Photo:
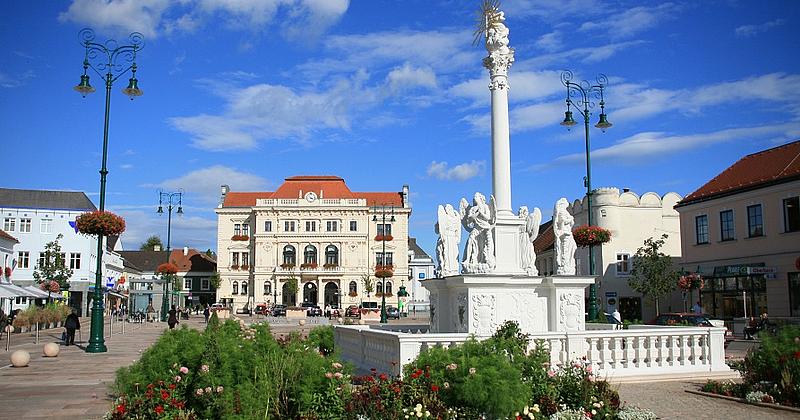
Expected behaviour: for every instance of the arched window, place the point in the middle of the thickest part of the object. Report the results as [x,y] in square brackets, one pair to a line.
[353,288]
[267,288]
[235,288]
[331,255]
[244,287]
[289,255]
[388,288]
[310,255]
[378,288]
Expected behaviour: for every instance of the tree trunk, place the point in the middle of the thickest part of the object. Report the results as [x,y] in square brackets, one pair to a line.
[657,311]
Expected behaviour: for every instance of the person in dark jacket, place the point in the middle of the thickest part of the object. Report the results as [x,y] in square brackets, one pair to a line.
[206,313]
[72,323]
[173,317]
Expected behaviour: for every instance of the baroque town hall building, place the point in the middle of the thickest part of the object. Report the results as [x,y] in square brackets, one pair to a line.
[316,231]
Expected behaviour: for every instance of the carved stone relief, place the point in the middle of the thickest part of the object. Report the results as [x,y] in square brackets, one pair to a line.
[570,310]
[484,318]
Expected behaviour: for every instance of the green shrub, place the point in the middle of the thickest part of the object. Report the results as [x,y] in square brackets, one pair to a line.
[322,339]
[774,366]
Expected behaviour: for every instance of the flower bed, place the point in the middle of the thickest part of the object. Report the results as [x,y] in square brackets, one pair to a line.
[770,372]
[590,235]
[102,223]
[234,371]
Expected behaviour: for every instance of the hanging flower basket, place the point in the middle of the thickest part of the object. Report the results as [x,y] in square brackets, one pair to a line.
[690,282]
[590,235]
[240,238]
[102,223]
[384,271]
[51,286]
[167,268]
[380,238]
[7,272]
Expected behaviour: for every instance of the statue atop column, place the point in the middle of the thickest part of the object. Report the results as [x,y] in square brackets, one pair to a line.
[479,220]
[564,242]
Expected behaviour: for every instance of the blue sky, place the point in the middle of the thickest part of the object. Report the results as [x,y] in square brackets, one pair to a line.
[386,93]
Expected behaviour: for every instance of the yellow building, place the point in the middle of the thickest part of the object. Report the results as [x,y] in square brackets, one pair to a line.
[316,231]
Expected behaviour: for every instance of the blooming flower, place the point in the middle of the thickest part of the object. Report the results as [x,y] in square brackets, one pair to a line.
[328,375]
[451,366]
[204,368]
[337,375]
[434,388]
[199,392]
[446,385]
[208,389]
[472,371]
[220,389]
[177,379]
[184,370]
[551,373]
[159,409]
[336,365]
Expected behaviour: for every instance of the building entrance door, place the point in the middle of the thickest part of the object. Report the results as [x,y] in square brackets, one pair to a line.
[332,294]
[310,293]
[289,297]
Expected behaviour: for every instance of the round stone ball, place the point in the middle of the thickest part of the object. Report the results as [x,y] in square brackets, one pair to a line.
[302,322]
[51,350]
[20,358]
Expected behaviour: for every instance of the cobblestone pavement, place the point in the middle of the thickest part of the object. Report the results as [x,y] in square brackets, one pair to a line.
[669,400]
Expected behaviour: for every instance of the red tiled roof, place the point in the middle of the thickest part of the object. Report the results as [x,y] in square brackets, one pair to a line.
[5,235]
[194,260]
[546,239]
[324,186]
[779,164]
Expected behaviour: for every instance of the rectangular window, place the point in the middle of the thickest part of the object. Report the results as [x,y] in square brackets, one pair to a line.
[25,225]
[234,259]
[311,226]
[288,226]
[794,294]
[384,229]
[331,226]
[75,260]
[24,259]
[623,264]
[380,260]
[701,229]
[791,214]
[46,226]
[755,221]
[187,284]
[245,259]
[246,229]
[726,225]
[42,259]
[268,226]
[9,224]
[205,284]
[237,229]
[353,226]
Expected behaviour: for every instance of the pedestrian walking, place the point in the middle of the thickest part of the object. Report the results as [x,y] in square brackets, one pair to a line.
[206,313]
[173,317]
[697,308]
[71,324]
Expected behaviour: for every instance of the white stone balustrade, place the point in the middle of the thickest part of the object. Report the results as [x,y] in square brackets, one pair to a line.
[643,351]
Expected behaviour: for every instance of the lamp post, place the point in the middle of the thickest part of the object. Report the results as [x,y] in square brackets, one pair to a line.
[383,233]
[170,199]
[585,92]
[114,61]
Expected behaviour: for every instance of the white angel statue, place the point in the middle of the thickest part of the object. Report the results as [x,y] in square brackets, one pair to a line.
[449,230]
[564,242]
[479,220]
[529,233]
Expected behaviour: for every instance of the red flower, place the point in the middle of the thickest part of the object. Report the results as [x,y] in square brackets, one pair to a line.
[167,268]
[797,355]
[164,394]
[159,409]
[121,409]
[149,394]
[382,377]
[180,405]
[171,386]
[434,388]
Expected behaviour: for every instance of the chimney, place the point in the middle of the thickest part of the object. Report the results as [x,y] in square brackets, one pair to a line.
[406,203]
[300,194]
[156,247]
[185,251]
[225,189]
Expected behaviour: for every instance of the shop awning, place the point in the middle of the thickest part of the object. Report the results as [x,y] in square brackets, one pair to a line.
[41,294]
[115,294]
[15,291]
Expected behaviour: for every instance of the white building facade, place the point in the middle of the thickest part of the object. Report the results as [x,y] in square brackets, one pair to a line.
[315,231]
[36,217]
[631,219]
[420,268]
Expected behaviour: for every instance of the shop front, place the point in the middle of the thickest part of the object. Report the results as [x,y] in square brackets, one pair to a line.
[736,291]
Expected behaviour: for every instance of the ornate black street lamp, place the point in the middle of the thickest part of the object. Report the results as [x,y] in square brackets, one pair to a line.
[385,269]
[114,61]
[169,199]
[585,92]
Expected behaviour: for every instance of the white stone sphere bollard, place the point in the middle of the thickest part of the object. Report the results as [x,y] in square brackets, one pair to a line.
[361,322]
[20,358]
[51,350]
[341,320]
[302,322]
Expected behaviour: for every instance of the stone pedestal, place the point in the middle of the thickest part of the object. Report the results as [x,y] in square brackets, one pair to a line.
[479,303]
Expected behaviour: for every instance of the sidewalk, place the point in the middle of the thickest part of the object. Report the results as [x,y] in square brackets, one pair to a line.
[75,384]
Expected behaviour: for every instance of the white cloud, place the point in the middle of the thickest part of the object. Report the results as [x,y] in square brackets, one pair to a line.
[462,172]
[204,184]
[746,31]
[154,17]
[631,21]
[637,148]
[551,41]
[409,77]
[585,55]
[524,86]
[192,230]
[552,9]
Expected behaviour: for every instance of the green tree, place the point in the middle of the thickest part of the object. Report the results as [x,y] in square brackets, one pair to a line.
[368,282]
[292,287]
[151,242]
[211,253]
[215,280]
[53,267]
[653,274]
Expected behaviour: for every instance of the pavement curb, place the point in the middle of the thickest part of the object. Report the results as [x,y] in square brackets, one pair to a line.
[743,401]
